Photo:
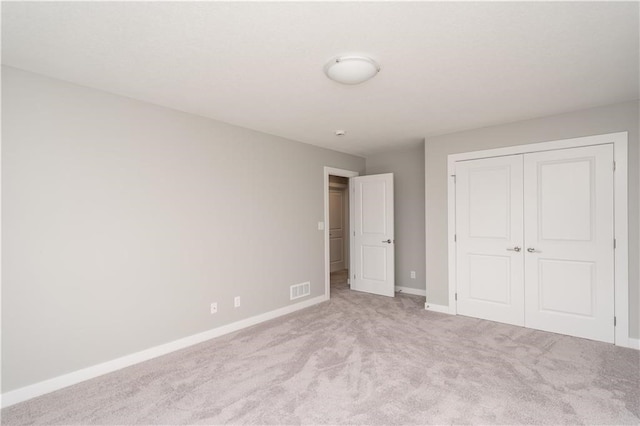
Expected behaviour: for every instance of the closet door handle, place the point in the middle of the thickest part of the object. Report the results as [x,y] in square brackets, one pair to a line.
[516,249]
[532,250]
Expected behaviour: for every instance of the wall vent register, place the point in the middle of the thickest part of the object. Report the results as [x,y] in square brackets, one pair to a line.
[297,291]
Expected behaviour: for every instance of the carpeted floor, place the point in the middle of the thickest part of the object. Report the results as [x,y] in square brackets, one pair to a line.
[362,359]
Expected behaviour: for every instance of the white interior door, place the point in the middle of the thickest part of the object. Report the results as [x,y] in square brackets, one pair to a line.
[569,258]
[372,254]
[489,237]
[336,230]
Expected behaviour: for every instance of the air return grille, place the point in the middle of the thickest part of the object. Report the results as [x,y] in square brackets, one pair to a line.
[300,290]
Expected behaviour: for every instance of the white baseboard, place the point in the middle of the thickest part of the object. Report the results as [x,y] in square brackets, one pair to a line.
[56,383]
[634,343]
[437,308]
[409,290]
[631,343]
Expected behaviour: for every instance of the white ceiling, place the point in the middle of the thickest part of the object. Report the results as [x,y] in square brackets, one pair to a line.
[446,66]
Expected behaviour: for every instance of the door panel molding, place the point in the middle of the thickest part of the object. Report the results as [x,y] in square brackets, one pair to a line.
[621,232]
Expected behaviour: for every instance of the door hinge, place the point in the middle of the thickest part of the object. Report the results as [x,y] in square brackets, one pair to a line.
[614,166]
[354,276]
[614,321]
[614,244]
[456,296]
[454,178]
[455,238]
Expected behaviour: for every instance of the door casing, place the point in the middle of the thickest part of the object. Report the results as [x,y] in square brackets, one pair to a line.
[621,232]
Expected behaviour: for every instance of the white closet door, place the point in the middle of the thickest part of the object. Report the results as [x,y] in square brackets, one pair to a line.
[489,238]
[569,258]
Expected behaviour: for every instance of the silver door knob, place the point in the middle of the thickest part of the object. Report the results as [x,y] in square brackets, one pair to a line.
[531,250]
[516,248]
[387,241]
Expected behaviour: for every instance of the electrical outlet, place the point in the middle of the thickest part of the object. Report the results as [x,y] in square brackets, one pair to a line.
[236,301]
[214,308]
[413,275]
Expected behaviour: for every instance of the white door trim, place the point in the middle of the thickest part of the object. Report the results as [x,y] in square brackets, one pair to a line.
[327,255]
[619,141]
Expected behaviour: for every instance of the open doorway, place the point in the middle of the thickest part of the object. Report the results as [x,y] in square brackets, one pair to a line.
[337,221]
[371,258]
[338,231]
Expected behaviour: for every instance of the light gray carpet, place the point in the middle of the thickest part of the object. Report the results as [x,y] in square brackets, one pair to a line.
[362,359]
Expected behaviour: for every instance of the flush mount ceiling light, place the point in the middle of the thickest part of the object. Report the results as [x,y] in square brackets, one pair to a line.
[351,69]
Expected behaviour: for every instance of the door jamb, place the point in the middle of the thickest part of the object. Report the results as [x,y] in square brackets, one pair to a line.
[621,231]
[327,258]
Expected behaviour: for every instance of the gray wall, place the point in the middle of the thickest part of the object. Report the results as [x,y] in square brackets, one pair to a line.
[407,165]
[122,221]
[606,119]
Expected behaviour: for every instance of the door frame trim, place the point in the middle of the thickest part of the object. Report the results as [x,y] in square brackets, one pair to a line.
[327,256]
[621,231]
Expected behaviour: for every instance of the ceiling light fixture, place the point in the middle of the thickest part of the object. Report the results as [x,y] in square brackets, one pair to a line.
[351,69]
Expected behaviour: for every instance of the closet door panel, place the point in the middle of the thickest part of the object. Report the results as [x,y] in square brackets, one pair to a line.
[569,263]
[489,238]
